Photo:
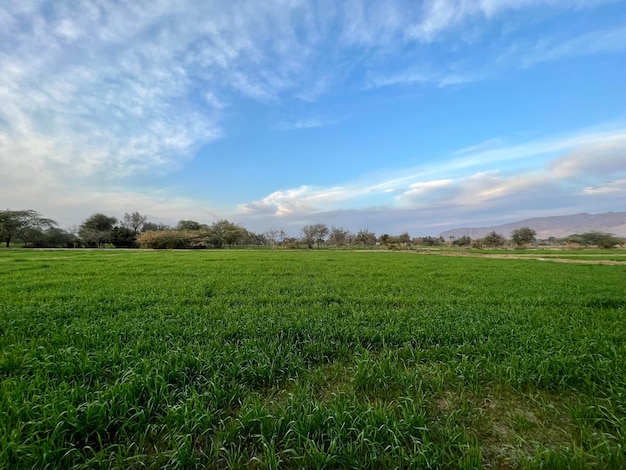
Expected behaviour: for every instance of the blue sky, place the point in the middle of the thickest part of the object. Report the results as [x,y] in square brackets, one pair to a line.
[393,116]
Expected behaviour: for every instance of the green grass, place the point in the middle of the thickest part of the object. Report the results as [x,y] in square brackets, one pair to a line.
[292,359]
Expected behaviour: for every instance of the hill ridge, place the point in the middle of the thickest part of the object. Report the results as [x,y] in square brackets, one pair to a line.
[552,226]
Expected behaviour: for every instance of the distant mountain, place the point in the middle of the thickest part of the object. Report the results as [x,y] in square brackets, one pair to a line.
[556,226]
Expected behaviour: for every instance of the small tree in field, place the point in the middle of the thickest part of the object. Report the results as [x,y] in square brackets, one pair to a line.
[523,236]
[96,230]
[494,239]
[339,236]
[600,239]
[315,233]
[366,237]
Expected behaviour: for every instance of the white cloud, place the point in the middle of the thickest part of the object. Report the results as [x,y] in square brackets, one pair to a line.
[298,201]
[597,156]
[609,187]
[426,187]
[111,114]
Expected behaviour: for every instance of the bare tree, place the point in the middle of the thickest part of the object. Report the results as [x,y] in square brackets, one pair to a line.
[315,233]
[366,237]
[338,236]
[494,239]
[134,221]
[274,237]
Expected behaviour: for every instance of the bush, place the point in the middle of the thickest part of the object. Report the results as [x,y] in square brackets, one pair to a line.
[463,241]
[174,239]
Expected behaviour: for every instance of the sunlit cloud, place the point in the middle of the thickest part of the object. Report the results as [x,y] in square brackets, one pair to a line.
[609,187]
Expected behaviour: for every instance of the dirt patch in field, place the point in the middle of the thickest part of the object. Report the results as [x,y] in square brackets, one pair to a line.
[529,257]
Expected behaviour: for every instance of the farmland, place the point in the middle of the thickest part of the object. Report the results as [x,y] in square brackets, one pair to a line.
[318,359]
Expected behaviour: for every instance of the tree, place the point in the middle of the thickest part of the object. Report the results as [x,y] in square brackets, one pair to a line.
[16,224]
[256,239]
[134,221]
[59,238]
[523,236]
[96,230]
[433,241]
[339,236]
[404,238]
[494,239]
[227,232]
[366,237]
[463,241]
[123,237]
[188,225]
[600,239]
[315,233]
[152,226]
[274,237]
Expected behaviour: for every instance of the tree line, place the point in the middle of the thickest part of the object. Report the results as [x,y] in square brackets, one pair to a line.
[30,229]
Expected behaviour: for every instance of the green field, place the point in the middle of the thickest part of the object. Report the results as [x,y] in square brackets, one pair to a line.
[320,359]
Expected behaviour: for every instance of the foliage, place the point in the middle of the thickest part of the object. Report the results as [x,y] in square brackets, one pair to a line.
[523,236]
[174,239]
[274,237]
[279,359]
[462,241]
[403,239]
[153,226]
[431,241]
[314,234]
[189,225]
[122,237]
[365,237]
[24,225]
[339,236]
[214,236]
[599,239]
[494,239]
[97,229]
[225,232]
[55,237]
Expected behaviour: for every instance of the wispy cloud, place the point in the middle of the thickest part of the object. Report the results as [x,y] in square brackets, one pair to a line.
[120,81]
[603,41]
[439,16]
[420,76]
[307,123]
